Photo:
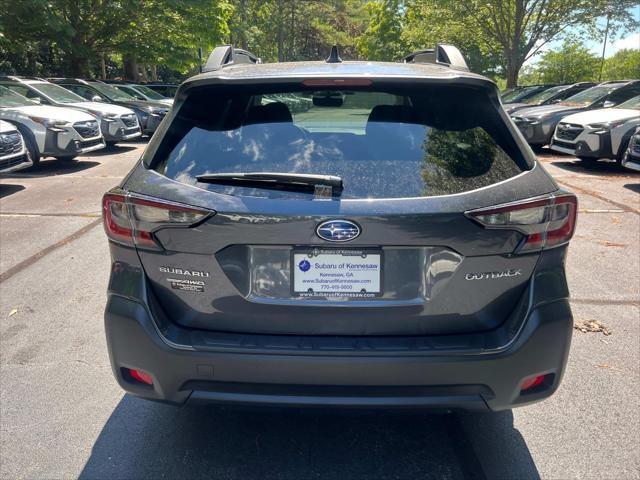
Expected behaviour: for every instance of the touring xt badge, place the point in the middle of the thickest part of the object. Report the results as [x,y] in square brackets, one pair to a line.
[184,271]
[493,275]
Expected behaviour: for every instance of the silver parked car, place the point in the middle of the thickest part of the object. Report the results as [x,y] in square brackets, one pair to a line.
[13,152]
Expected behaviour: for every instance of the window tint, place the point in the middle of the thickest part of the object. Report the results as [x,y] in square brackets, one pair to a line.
[383,144]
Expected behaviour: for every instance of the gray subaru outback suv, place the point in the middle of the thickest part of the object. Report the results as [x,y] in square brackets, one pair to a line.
[344,234]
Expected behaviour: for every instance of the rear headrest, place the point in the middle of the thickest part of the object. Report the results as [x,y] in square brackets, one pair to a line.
[393,114]
[276,112]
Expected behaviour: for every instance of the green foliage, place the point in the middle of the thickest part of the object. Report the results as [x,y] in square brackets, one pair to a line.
[571,63]
[162,37]
[624,64]
[71,36]
[429,23]
[291,30]
[382,38]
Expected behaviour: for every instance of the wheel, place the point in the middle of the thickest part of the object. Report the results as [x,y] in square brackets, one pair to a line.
[66,158]
[624,145]
[32,148]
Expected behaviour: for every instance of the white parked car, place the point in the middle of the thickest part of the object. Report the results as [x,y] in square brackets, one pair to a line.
[13,152]
[595,134]
[117,123]
[47,131]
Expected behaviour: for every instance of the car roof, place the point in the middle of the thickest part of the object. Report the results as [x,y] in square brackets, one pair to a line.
[296,71]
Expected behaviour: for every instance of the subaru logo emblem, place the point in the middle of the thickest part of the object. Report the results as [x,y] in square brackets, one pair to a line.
[338,230]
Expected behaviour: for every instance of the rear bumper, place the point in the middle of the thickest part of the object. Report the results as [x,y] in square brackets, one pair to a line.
[185,367]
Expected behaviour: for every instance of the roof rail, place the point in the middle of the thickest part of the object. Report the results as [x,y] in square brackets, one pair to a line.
[227,55]
[443,54]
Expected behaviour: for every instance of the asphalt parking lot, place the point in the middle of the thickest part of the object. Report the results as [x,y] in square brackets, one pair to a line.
[62,414]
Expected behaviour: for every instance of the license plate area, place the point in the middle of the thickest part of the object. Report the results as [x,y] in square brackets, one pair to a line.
[336,273]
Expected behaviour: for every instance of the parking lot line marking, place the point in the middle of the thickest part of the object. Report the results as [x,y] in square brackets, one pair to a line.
[46,251]
[20,215]
[622,206]
[604,301]
[599,210]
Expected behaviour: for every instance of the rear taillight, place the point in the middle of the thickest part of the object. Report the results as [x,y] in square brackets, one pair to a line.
[546,223]
[132,220]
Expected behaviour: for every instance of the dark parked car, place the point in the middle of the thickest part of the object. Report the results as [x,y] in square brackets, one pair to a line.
[167,90]
[520,94]
[537,124]
[549,96]
[140,92]
[149,114]
[377,249]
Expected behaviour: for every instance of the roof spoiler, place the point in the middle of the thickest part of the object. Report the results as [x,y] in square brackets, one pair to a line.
[225,55]
[443,54]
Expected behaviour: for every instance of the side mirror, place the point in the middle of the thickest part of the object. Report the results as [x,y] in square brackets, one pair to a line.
[96,98]
[37,100]
[608,104]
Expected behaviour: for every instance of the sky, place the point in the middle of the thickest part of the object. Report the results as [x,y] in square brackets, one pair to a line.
[629,40]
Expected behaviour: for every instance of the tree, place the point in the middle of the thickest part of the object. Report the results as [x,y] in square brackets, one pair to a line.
[571,63]
[426,24]
[73,37]
[286,30]
[522,27]
[624,64]
[382,38]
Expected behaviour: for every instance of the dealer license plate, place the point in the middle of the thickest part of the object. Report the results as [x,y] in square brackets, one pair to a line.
[337,273]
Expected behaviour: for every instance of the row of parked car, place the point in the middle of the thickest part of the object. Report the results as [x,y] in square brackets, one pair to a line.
[588,120]
[66,117]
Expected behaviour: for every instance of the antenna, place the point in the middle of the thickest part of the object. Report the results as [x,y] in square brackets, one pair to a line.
[334,57]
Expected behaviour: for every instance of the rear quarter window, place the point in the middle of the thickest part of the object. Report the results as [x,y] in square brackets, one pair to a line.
[383,143]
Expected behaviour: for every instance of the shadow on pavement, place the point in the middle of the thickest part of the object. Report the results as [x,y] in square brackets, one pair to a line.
[49,167]
[111,150]
[634,187]
[590,168]
[148,440]
[8,189]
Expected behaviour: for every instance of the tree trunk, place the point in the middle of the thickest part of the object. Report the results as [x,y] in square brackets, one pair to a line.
[130,67]
[154,72]
[103,66]
[513,70]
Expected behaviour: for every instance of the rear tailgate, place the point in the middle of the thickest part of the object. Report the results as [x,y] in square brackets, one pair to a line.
[418,264]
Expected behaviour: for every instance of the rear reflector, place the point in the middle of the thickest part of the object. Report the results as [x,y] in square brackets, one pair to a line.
[140,376]
[532,382]
[131,220]
[546,223]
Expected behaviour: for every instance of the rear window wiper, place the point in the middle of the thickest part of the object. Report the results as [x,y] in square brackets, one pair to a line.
[322,186]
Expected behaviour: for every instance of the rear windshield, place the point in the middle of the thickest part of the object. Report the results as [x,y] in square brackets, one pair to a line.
[383,144]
